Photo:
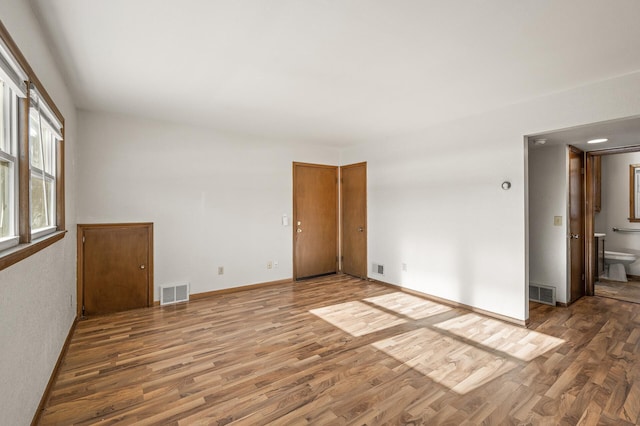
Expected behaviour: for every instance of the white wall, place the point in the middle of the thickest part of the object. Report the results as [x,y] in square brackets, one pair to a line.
[215,200]
[435,200]
[37,295]
[547,199]
[615,205]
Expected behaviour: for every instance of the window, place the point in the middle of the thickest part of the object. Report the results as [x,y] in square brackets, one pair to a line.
[44,135]
[8,167]
[31,159]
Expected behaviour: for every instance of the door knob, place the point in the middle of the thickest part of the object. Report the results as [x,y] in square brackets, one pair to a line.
[299,230]
[574,236]
[141,266]
[360,229]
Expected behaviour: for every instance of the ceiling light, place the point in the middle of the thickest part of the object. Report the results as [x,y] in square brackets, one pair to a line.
[539,141]
[598,140]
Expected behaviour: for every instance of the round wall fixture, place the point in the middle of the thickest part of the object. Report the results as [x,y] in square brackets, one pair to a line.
[506,185]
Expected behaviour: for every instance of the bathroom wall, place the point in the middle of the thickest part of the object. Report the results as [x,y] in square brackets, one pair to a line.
[615,205]
[548,198]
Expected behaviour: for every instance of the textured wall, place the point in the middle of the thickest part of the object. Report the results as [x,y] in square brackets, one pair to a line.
[37,295]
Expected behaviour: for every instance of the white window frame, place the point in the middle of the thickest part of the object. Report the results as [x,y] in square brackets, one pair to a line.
[46,120]
[11,74]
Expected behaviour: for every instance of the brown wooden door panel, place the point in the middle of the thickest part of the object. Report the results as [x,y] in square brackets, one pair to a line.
[116,268]
[354,219]
[576,224]
[315,219]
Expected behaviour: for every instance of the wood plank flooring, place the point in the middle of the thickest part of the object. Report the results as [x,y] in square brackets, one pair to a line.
[338,350]
[629,291]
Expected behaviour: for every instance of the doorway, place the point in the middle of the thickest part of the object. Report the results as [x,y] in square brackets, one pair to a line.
[549,233]
[610,216]
[115,267]
[329,234]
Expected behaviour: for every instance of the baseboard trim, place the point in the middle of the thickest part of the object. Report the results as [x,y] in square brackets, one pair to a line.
[454,304]
[213,293]
[54,374]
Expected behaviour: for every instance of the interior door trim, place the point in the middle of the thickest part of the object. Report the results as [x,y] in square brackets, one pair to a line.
[80,258]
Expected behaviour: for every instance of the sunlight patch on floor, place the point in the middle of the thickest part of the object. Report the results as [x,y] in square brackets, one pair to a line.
[461,353]
[357,318]
[514,341]
[408,306]
[452,363]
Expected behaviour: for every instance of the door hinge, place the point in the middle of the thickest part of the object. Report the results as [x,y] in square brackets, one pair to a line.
[83,239]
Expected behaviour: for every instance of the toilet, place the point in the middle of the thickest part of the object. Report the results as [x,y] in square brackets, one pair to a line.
[617,264]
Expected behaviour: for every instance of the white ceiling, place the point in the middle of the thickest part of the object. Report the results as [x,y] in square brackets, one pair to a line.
[333,72]
[620,133]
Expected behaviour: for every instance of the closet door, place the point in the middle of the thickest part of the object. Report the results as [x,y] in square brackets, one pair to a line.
[117,267]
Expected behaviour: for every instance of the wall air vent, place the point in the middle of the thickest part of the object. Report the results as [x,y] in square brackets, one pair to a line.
[377,269]
[174,293]
[543,294]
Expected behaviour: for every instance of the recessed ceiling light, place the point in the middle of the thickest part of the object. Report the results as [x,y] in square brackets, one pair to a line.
[539,141]
[598,140]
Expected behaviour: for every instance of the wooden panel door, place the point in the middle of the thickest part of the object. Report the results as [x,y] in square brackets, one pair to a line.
[117,267]
[576,224]
[315,220]
[353,206]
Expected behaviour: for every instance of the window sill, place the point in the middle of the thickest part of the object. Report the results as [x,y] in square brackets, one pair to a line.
[20,252]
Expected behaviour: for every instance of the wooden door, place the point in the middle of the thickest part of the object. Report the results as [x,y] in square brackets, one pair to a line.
[353,197]
[576,224]
[315,220]
[116,267]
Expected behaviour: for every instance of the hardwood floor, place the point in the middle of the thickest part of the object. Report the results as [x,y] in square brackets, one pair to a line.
[338,350]
[629,291]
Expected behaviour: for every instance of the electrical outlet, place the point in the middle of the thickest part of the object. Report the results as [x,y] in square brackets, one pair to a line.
[269,265]
[557,221]
[220,270]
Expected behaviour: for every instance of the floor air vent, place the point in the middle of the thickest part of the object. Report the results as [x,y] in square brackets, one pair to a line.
[543,294]
[174,293]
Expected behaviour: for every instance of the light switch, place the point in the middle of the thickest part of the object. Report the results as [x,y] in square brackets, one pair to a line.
[557,221]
